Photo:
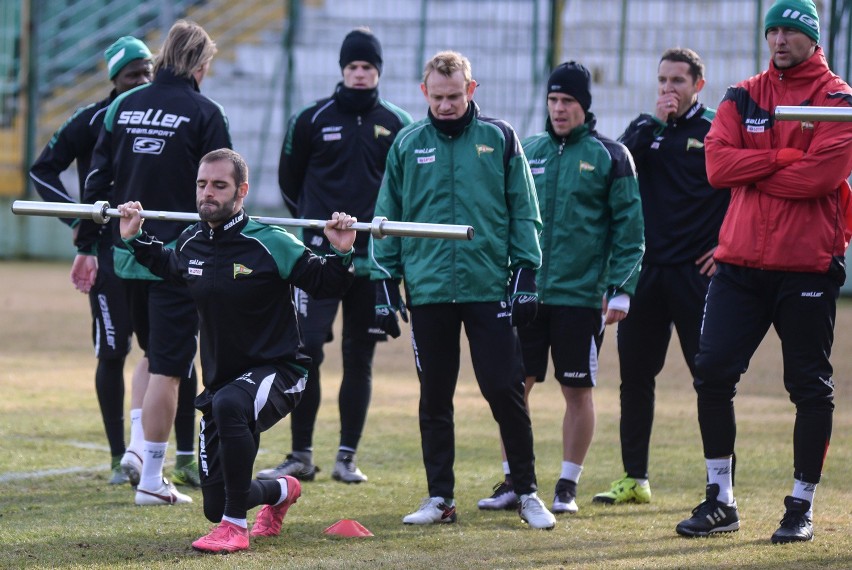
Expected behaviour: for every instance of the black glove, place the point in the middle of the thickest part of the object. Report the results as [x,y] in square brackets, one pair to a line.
[388,302]
[523,298]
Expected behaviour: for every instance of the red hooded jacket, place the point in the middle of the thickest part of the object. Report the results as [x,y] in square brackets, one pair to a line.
[787,212]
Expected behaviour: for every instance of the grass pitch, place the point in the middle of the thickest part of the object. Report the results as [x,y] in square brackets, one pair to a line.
[56,510]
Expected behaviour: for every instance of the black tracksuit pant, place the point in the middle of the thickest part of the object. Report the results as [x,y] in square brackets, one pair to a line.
[497,364]
[666,296]
[741,305]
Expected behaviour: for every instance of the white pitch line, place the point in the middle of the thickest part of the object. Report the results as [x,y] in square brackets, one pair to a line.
[22,475]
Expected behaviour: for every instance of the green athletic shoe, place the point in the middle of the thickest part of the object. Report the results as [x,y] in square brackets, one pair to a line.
[118,477]
[625,490]
[186,475]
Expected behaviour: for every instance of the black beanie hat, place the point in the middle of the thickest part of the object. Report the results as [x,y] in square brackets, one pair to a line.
[361,45]
[572,79]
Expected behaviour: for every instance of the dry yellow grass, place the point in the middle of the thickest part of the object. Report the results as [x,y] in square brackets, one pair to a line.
[49,420]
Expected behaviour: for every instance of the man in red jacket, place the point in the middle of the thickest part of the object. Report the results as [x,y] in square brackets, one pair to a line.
[780,261]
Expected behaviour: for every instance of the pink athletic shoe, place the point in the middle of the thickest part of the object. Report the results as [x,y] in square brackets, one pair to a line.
[223,539]
[268,522]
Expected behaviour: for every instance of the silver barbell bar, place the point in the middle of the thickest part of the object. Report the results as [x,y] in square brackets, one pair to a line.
[380,227]
[805,113]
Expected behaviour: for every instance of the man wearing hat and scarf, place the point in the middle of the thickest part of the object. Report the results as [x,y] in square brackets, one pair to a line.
[333,159]
[586,279]
[780,261]
[129,65]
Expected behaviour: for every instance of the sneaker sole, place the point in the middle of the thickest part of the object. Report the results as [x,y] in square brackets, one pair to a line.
[133,473]
[513,506]
[222,552]
[688,533]
[338,477]
[789,539]
[272,476]
[149,499]
[551,527]
[448,520]
[609,501]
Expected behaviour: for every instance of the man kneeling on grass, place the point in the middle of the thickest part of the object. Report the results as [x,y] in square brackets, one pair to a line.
[239,273]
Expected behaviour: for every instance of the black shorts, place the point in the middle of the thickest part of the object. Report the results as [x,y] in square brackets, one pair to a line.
[262,396]
[111,330]
[573,335]
[165,321]
[316,317]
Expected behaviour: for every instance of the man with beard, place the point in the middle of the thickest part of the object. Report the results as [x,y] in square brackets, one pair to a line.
[239,274]
[780,262]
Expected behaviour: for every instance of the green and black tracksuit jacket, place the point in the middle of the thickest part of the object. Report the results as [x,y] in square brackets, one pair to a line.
[240,276]
[592,241]
[478,177]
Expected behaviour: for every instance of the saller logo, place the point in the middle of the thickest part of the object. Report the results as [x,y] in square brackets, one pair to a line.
[151,117]
[145,145]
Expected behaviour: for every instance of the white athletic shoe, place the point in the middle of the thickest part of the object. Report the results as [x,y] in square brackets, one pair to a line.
[432,510]
[534,513]
[503,498]
[167,494]
[131,465]
[346,471]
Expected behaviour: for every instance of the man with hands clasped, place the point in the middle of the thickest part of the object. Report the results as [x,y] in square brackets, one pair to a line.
[682,214]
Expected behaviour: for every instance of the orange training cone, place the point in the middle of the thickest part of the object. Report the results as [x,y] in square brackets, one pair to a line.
[348,528]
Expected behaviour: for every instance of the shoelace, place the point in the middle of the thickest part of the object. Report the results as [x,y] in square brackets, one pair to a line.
[794,520]
[706,507]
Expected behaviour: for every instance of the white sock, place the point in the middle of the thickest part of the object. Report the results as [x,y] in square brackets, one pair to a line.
[242,523]
[719,472]
[806,491]
[571,471]
[283,482]
[153,457]
[506,471]
[137,436]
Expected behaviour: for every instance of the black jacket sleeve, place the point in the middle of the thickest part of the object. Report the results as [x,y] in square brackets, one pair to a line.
[98,187]
[323,276]
[639,135]
[295,153]
[160,260]
[73,141]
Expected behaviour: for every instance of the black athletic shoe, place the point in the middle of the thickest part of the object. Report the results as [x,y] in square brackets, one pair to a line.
[710,517]
[564,497]
[796,526]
